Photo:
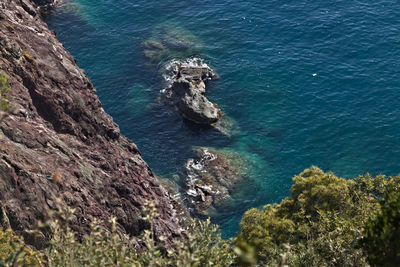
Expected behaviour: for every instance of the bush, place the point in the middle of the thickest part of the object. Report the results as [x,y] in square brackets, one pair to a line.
[382,234]
[203,246]
[320,224]
[13,251]
[5,93]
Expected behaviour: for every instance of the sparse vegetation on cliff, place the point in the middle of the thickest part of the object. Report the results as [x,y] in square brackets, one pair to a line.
[105,246]
[203,246]
[5,93]
[13,251]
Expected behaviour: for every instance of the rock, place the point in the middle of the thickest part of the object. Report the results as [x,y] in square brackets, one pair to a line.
[211,178]
[227,126]
[178,39]
[154,50]
[186,88]
[60,143]
[46,3]
[27,6]
[176,42]
[170,42]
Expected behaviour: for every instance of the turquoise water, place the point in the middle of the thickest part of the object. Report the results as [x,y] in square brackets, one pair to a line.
[307,82]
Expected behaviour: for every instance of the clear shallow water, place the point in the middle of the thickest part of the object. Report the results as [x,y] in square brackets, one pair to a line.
[308,83]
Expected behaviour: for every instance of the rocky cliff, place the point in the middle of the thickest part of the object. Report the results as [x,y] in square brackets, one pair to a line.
[57,140]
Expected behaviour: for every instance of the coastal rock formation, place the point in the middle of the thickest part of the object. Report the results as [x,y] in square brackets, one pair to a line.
[44,3]
[57,140]
[186,88]
[211,178]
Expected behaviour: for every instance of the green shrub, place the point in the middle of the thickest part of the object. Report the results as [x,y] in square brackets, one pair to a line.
[203,246]
[319,225]
[5,93]
[382,234]
[13,251]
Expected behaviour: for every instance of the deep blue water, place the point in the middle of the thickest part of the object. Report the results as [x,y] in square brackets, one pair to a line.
[308,83]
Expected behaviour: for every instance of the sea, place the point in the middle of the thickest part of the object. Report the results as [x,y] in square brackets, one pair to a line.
[303,83]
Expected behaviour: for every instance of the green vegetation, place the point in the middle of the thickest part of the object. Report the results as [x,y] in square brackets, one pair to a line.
[203,247]
[327,221]
[5,93]
[320,224]
[13,251]
[382,234]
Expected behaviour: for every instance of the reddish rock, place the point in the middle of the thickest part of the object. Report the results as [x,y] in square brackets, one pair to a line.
[59,142]
[210,179]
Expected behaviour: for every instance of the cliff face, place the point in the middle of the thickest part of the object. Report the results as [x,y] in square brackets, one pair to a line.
[58,141]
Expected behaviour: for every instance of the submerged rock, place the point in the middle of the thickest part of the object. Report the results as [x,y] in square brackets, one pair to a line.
[211,178]
[186,88]
[176,39]
[169,42]
[154,50]
[227,126]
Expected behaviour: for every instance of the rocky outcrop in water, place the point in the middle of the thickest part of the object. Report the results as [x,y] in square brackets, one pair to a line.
[59,142]
[210,179]
[185,91]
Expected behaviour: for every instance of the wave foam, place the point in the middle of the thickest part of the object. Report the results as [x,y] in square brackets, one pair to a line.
[172,67]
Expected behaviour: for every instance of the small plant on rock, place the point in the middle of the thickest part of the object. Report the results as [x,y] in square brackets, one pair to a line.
[5,93]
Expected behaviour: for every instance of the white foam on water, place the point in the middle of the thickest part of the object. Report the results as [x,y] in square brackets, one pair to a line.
[208,156]
[172,67]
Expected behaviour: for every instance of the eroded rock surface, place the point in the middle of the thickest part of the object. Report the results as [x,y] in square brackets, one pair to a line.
[59,142]
[210,178]
[185,90]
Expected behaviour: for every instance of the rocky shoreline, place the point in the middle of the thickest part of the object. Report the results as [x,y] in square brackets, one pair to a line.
[58,141]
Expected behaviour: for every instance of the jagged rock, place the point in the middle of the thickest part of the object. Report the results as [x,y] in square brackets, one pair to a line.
[211,178]
[59,142]
[28,7]
[186,88]
[46,3]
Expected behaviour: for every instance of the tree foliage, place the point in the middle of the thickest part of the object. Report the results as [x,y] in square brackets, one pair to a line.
[320,224]
[382,234]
